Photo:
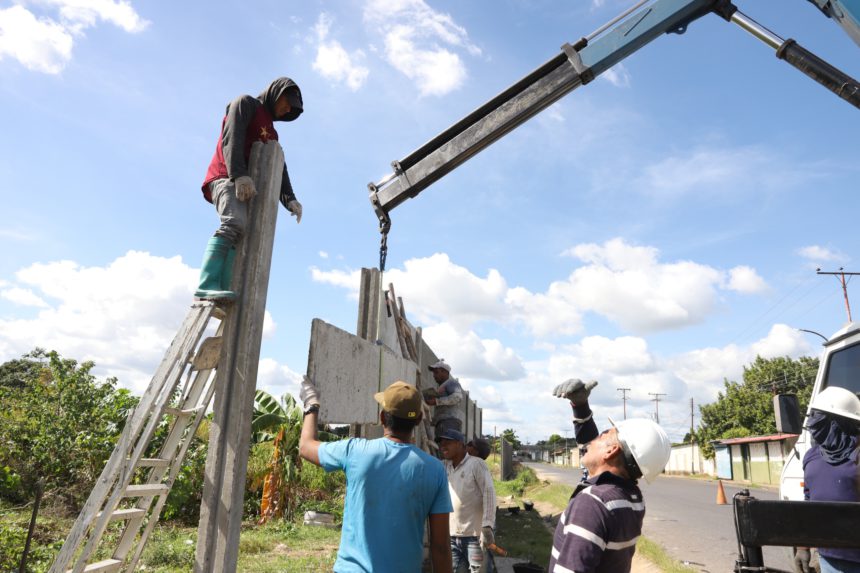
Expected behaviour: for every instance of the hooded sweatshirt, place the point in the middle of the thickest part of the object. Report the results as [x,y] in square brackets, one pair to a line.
[248,120]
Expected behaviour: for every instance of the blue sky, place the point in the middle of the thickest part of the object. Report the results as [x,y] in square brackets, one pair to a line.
[654,230]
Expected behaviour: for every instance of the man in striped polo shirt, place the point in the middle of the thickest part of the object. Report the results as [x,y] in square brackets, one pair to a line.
[597,532]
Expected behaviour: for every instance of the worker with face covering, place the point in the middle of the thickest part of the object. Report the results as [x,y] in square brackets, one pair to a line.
[830,468]
[228,184]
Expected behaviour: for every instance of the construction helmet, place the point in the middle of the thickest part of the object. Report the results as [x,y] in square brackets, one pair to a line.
[838,401]
[645,445]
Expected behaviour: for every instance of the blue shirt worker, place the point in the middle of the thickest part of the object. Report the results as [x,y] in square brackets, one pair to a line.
[392,488]
[597,532]
[830,468]
[448,400]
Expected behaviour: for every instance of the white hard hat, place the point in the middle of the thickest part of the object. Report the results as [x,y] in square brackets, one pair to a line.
[441,364]
[839,401]
[646,447]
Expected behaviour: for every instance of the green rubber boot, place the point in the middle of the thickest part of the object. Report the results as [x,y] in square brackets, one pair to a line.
[227,275]
[212,271]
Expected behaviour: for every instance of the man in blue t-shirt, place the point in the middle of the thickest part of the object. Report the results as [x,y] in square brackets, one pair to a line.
[392,487]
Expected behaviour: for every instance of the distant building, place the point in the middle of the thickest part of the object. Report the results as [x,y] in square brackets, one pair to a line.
[687,459]
[756,459]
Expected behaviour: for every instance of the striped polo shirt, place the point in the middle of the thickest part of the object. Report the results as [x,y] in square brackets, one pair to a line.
[597,532]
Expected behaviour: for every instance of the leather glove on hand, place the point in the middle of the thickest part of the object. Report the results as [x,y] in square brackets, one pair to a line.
[487,536]
[295,208]
[574,390]
[801,560]
[245,189]
[308,394]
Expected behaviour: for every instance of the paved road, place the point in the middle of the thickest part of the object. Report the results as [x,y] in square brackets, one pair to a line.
[682,515]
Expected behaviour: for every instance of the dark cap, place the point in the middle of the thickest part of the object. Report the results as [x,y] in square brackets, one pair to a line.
[482,447]
[454,435]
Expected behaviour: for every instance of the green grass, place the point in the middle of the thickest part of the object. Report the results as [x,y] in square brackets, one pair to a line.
[273,548]
[655,553]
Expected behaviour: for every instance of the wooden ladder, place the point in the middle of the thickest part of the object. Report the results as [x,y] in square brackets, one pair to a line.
[133,488]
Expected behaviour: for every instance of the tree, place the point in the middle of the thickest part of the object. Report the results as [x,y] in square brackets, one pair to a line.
[57,422]
[510,436]
[279,425]
[746,408]
[554,439]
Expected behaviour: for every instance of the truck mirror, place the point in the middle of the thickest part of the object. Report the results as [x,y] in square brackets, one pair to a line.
[786,409]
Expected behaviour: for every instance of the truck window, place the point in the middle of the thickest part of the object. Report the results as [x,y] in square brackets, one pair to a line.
[844,369]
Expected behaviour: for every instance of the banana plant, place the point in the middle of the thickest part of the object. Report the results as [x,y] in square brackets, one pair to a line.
[281,423]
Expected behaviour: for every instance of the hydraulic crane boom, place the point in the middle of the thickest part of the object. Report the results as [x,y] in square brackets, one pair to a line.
[577,65]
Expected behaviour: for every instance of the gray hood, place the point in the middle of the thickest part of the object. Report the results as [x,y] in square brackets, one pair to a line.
[294,95]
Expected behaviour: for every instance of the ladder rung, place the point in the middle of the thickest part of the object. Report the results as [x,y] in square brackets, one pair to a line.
[123,514]
[103,566]
[146,490]
[179,411]
[153,463]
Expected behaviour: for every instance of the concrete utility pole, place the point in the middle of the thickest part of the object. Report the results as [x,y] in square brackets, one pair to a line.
[624,392]
[230,432]
[656,401]
[840,275]
[692,438]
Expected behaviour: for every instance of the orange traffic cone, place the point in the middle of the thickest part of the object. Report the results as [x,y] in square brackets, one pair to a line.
[721,493]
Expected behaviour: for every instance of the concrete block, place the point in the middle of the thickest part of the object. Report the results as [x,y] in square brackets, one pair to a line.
[346,370]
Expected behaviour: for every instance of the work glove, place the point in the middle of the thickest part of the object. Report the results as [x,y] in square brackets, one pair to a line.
[295,208]
[308,394]
[487,536]
[574,390]
[245,190]
[801,560]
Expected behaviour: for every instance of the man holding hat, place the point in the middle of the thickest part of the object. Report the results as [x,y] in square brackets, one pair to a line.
[474,500]
[392,488]
[448,399]
[597,532]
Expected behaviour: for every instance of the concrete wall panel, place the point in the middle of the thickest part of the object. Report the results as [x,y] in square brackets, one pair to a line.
[341,364]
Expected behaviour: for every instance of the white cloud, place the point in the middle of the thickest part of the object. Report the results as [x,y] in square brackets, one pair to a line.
[617,75]
[349,280]
[122,315]
[323,255]
[44,43]
[23,297]
[333,62]
[38,44]
[819,254]
[625,283]
[746,280]
[276,379]
[417,39]
[473,357]
[721,171]
[81,14]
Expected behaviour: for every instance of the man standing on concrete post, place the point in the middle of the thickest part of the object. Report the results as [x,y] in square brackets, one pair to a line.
[448,400]
[228,184]
[392,488]
[597,532]
[474,499]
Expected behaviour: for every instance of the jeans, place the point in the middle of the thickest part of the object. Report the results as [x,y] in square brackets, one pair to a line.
[466,551]
[831,565]
[233,213]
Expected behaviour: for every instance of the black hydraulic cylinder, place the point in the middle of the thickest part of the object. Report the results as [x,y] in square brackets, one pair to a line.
[830,77]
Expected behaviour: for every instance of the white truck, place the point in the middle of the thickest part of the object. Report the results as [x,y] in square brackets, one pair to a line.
[839,366]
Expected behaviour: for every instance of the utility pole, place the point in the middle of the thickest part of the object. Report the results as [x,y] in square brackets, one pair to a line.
[692,439]
[624,392]
[840,275]
[656,401]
